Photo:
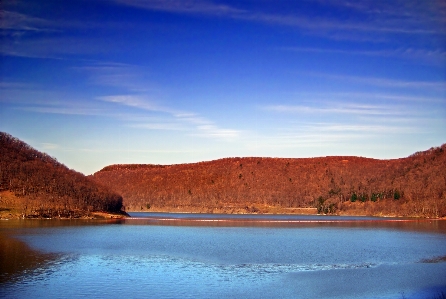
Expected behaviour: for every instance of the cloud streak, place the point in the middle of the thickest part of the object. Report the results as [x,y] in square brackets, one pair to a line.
[351,109]
[132,101]
[180,6]
[202,127]
[408,23]
[375,97]
[128,78]
[30,36]
[14,23]
[384,82]
[160,118]
[329,135]
[65,110]
[424,55]
[118,75]
[346,121]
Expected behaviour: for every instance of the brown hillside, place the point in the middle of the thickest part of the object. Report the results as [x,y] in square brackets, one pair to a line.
[35,185]
[412,186]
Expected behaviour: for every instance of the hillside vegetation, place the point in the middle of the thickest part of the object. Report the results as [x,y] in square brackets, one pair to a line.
[34,184]
[412,186]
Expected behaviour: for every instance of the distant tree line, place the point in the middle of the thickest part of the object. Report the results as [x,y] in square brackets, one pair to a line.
[412,186]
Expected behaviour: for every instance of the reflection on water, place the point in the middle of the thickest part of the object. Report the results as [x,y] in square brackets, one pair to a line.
[284,221]
[17,258]
[224,256]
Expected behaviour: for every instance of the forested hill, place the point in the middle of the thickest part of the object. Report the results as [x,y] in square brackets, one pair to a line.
[412,186]
[37,185]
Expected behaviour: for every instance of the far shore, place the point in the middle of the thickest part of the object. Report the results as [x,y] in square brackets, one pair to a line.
[6,214]
[274,211]
[12,213]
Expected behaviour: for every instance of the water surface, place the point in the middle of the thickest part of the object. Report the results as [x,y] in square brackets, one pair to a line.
[156,255]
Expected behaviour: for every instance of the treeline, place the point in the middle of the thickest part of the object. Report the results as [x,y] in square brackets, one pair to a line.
[412,186]
[46,188]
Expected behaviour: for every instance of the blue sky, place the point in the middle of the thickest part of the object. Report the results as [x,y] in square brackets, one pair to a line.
[100,82]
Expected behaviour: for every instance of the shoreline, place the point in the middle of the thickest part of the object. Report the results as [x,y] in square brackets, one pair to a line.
[8,215]
[104,215]
[13,207]
[169,211]
[12,213]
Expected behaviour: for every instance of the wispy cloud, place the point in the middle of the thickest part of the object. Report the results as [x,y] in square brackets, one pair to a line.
[363,128]
[179,6]
[12,85]
[407,9]
[167,126]
[373,22]
[395,98]
[49,146]
[63,109]
[132,101]
[111,74]
[24,35]
[132,80]
[332,26]
[348,121]
[212,131]
[14,23]
[144,114]
[383,82]
[329,135]
[55,46]
[423,55]
[346,108]
[30,36]
[195,124]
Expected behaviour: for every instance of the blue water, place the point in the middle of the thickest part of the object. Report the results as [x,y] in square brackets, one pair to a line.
[303,257]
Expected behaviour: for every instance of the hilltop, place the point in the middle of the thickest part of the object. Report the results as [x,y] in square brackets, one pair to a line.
[411,186]
[33,184]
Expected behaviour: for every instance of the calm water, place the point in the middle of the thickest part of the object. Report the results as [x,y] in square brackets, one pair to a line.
[223,256]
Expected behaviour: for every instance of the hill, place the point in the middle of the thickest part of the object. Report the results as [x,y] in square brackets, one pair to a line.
[33,184]
[411,186]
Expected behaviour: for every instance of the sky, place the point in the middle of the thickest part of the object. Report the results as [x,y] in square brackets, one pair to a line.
[100,82]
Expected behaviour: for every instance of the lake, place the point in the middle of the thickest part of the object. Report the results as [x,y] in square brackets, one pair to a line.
[158,255]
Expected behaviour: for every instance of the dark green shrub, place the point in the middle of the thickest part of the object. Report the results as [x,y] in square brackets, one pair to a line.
[354,197]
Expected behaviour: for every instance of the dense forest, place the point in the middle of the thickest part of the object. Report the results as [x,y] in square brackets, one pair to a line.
[34,184]
[411,186]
